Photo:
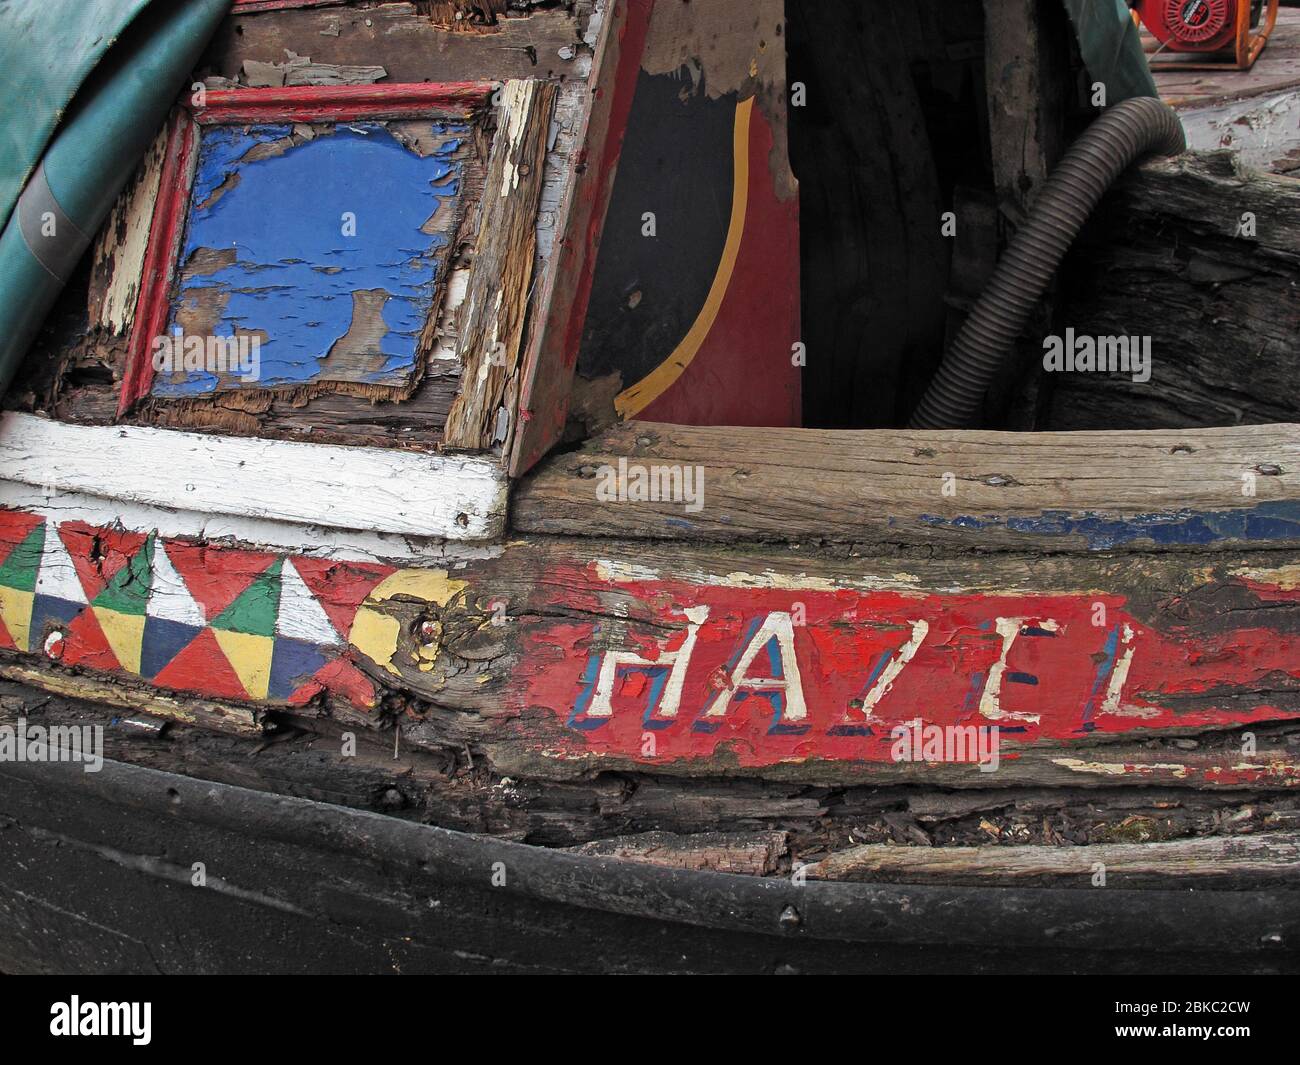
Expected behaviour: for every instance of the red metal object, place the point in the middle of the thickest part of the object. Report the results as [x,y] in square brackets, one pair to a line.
[328,103]
[1210,27]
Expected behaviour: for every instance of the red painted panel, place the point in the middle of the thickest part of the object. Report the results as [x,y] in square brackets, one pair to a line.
[1056,668]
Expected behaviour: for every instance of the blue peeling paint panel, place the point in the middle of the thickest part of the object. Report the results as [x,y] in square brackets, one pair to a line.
[1269,522]
[325,249]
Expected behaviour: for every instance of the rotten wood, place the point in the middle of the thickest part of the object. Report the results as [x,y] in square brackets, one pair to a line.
[491,322]
[560,658]
[649,816]
[412,46]
[210,714]
[723,852]
[1267,859]
[970,490]
[1030,88]
[874,260]
[1202,256]
[548,364]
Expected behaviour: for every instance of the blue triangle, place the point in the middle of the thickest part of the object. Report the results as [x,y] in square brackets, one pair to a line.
[50,612]
[164,639]
[293,663]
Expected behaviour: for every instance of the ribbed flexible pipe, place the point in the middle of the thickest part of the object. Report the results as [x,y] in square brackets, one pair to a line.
[1122,135]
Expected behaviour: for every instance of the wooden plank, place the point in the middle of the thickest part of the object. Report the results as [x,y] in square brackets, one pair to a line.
[874,257]
[1029,88]
[1026,69]
[661,819]
[742,853]
[410,45]
[555,659]
[454,498]
[988,491]
[693,316]
[552,352]
[213,715]
[1267,859]
[491,320]
[1264,131]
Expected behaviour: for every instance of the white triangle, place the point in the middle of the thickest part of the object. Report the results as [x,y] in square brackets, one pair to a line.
[300,616]
[57,575]
[168,597]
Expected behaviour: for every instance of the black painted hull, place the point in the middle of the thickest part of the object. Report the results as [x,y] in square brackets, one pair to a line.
[96,876]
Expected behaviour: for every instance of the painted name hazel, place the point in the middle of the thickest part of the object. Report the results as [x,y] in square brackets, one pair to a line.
[767,663]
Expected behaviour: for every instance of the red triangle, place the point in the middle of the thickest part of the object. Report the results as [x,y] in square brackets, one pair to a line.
[14,527]
[202,667]
[215,577]
[6,641]
[343,679]
[84,644]
[97,554]
[306,693]
[340,587]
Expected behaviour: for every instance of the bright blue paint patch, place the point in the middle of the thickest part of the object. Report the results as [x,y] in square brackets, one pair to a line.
[296,271]
[1271,521]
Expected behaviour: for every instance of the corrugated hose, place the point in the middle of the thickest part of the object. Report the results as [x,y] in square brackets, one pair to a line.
[1119,137]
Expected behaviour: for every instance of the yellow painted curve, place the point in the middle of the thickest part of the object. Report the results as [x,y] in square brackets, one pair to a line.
[632,401]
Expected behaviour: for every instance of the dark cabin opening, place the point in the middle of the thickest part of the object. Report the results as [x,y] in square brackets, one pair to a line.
[894,132]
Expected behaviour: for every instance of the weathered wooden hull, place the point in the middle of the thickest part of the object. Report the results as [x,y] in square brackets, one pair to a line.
[97,876]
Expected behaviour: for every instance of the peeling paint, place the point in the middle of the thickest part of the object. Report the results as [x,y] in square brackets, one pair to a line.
[316,239]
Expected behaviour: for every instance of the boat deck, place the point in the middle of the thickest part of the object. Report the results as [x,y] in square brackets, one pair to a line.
[1255,112]
[1277,69]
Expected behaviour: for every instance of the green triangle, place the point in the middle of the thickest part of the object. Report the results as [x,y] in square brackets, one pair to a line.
[19,569]
[255,610]
[128,591]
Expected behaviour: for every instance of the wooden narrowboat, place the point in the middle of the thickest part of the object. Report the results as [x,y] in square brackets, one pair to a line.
[647,486]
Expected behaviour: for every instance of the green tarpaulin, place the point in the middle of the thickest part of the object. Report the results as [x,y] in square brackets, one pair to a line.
[84,87]
[1111,48]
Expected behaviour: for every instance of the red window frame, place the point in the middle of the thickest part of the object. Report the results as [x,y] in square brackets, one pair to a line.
[324,103]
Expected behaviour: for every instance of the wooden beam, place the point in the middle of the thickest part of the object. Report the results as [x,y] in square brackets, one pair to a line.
[552,353]
[987,491]
[214,715]
[410,493]
[1025,76]
[410,45]
[491,319]
[1268,858]
[1202,256]
[555,659]
[1028,86]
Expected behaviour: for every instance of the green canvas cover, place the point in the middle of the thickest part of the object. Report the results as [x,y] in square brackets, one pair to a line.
[84,87]
[1111,48]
